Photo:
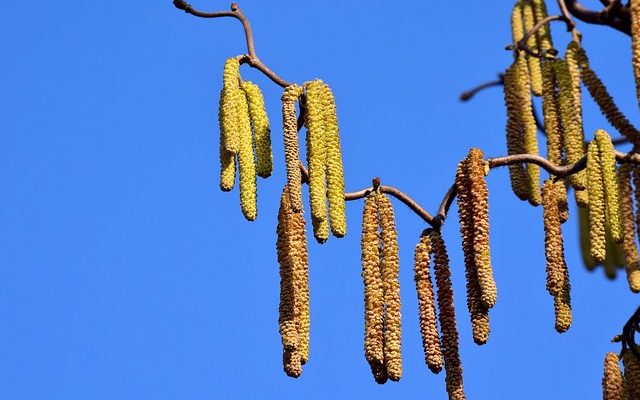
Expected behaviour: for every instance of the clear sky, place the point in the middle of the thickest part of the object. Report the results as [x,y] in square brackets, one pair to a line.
[125,273]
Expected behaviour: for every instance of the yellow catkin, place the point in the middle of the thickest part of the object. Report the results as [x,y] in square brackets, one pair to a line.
[632,260]
[517,25]
[227,158]
[582,198]
[286,318]
[572,58]
[583,221]
[478,312]
[631,374]
[535,75]
[550,112]
[390,267]
[427,305]
[635,174]
[335,171]
[561,198]
[544,33]
[597,209]
[479,196]
[301,280]
[447,318]
[562,305]
[291,147]
[605,102]
[610,181]
[553,243]
[261,129]
[316,157]
[572,127]
[612,381]
[635,43]
[514,133]
[230,95]
[246,161]
[373,288]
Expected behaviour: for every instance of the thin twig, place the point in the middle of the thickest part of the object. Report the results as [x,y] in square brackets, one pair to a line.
[466,96]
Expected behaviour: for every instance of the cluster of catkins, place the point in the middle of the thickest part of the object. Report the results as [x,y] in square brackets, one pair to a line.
[245,140]
[603,192]
[615,384]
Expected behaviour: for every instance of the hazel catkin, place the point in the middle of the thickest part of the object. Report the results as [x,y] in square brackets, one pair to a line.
[610,182]
[597,211]
[552,125]
[631,373]
[447,318]
[572,56]
[390,267]
[316,153]
[554,248]
[635,43]
[227,158]
[229,97]
[373,287]
[426,305]
[544,33]
[517,173]
[286,319]
[632,260]
[246,161]
[261,129]
[612,381]
[291,148]
[535,75]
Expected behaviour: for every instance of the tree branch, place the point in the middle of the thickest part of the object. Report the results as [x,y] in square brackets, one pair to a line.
[594,17]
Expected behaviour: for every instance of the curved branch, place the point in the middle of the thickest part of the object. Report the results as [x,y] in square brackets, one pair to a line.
[594,17]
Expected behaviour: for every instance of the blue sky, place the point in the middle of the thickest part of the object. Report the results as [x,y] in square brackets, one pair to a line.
[125,272]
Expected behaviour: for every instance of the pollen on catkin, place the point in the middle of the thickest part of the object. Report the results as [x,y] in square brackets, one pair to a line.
[517,173]
[572,56]
[635,43]
[229,97]
[390,267]
[553,243]
[535,75]
[561,198]
[291,147]
[286,318]
[635,174]
[227,158]
[373,286]
[261,129]
[246,161]
[517,24]
[562,305]
[335,171]
[427,305]
[447,318]
[631,374]
[478,312]
[550,113]
[597,208]
[610,182]
[612,381]
[316,153]
[544,33]
[632,259]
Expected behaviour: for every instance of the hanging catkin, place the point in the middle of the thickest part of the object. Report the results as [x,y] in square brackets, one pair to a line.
[631,374]
[552,125]
[553,243]
[229,97]
[612,381]
[517,25]
[632,261]
[572,127]
[447,317]
[316,154]
[610,182]
[635,174]
[572,58]
[291,148]
[478,312]
[335,172]
[246,160]
[562,305]
[373,289]
[261,129]
[227,158]
[535,75]
[514,133]
[390,267]
[427,305]
[544,33]
[635,43]
[561,198]
[597,210]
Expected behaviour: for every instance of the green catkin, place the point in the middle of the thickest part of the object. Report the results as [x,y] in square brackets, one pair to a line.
[573,134]
[610,181]
[514,133]
[632,260]
[230,96]
[535,75]
[597,209]
[612,380]
[316,157]
[335,171]
[227,159]
[261,129]
[291,147]
[246,161]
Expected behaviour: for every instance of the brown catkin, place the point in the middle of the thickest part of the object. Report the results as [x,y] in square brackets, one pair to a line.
[635,174]
[632,260]
[571,122]
[427,305]
[291,148]
[514,133]
[286,319]
[316,156]
[610,182]
[597,212]
[553,244]
[373,287]
[612,381]
[246,161]
[447,317]
[292,363]
[479,207]
[631,374]
[561,198]
[562,305]
[635,43]
[478,312]
[390,267]
[261,129]
[535,75]
[335,171]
